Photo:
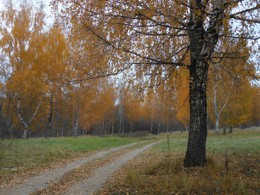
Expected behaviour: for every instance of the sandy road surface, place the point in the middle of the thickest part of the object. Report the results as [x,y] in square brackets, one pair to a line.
[101,175]
[40,181]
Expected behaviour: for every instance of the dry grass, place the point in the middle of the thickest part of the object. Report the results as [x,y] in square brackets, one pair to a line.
[153,173]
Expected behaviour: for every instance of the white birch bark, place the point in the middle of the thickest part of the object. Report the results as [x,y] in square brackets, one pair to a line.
[120,112]
[22,120]
[76,117]
[216,105]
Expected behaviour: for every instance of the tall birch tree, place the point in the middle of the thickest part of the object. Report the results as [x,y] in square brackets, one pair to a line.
[155,37]
[21,41]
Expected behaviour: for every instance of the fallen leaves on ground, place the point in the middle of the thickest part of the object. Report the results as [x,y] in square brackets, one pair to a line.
[157,173]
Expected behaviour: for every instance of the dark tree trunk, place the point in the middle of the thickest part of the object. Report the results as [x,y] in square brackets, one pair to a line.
[196,151]
[131,128]
[49,124]
[167,128]
[158,127]
[224,131]
[202,44]
[231,129]
[151,126]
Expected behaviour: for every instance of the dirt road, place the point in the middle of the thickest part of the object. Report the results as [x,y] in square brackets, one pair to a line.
[88,185]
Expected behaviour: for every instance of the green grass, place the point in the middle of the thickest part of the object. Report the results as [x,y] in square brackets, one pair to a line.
[239,141]
[19,155]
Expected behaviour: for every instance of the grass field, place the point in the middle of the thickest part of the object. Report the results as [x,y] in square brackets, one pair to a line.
[240,141]
[19,155]
[233,167]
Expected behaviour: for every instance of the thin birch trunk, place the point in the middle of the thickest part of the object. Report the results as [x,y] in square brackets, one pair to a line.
[76,118]
[103,126]
[217,110]
[113,128]
[167,128]
[131,127]
[22,120]
[158,128]
[50,118]
[62,128]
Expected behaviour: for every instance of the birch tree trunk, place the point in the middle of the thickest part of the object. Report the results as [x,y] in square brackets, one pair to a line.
[76,118]
[11,131]
[25,132]
[151,126]
[158,128]
[202,44]
[215,105]
[76,124]
[131,127]
[21,118]
[112,127]
[121,120]
[62,128]
[120,112]
[50,117]
[218,108]
[103,126]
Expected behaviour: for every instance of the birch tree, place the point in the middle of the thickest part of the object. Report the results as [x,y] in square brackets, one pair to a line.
[224,72]
[54,69]
[155,37]
[22,44]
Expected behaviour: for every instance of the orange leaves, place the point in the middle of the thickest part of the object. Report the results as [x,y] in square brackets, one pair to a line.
[240,109]
[229,83]
[55,50]
[32,56]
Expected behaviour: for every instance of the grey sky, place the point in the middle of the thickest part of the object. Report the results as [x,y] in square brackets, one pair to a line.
[46,4]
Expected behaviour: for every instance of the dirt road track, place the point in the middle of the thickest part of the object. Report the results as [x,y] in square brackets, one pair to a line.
[94,183]
[40,181]
[87,186]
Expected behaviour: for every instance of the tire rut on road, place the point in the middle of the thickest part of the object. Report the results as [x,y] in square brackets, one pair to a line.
[92,184]
[39,182]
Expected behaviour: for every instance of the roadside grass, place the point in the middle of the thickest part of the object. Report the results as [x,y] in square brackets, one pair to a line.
[233,168]
[20,155]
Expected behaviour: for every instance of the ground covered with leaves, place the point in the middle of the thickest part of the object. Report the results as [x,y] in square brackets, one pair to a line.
[233,168]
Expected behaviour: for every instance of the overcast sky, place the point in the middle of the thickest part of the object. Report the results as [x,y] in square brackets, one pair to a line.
[46,4]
